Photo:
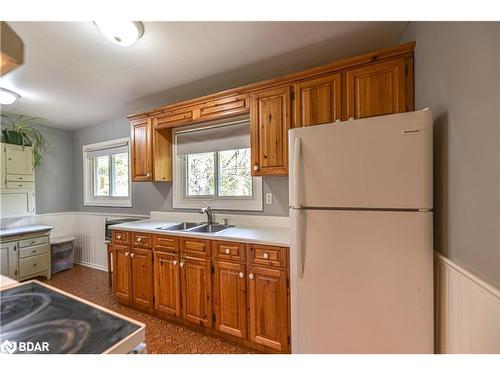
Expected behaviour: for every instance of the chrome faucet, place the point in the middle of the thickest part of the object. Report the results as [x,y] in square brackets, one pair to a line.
[208,210]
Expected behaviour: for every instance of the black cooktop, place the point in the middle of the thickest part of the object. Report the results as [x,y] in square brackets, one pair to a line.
[33,313]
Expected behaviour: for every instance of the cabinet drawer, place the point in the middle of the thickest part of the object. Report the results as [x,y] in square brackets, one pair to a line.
[195,247]
[20,185]
[20,177]
[169,244]
[229,250]
[142,240]
[121,237]
[33,250]
[33,241]
[32,265]
[268,255]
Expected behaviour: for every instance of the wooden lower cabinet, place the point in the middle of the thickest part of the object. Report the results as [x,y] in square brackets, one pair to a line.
[196,286]
[268,307]
[239,291]
[122,272]
[142,277]
[167,283]
[230,298]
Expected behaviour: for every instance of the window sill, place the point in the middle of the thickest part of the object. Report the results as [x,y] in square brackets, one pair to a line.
[108,204]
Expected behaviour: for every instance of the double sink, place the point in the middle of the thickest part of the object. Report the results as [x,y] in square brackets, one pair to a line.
[197,227]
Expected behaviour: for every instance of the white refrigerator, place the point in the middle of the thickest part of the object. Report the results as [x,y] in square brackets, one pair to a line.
[361,254]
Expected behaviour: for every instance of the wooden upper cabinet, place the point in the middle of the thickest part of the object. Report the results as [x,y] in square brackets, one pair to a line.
[142,150]
[269,125]
[121,272]
[167,283]
[196,290]
[142,277]
[377,89]
[223,107]
[268,307]
[230,298]
[317,101]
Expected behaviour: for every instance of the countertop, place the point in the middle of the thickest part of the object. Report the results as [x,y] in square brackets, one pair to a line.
[25,229]
[277,236]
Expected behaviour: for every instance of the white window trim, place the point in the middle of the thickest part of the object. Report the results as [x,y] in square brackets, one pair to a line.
[88,197]
[254,203]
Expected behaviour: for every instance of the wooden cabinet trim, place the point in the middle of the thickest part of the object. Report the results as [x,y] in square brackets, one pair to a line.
[120,237]
[195,247]
[142,240]
[168,244]
[166,288]
[224,250]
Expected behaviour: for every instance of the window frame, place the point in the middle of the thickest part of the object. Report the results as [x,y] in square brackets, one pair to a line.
[89,175]
[180,173]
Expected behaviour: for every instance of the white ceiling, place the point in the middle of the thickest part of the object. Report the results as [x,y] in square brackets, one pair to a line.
[73,77]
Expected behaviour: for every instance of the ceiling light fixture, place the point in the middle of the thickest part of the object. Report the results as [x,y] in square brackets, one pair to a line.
[122,33]
[7,96]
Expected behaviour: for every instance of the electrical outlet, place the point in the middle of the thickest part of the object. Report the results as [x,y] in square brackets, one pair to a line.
[269,198]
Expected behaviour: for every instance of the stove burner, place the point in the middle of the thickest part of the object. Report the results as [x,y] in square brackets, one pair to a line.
[19,307]
[63,335]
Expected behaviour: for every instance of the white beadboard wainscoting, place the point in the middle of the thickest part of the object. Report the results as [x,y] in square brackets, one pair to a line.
[468,311]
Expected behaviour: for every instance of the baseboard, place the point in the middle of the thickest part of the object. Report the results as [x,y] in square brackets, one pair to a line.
[90,265]
[467,311]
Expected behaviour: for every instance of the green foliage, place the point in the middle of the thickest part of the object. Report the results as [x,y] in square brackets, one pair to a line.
[29,135]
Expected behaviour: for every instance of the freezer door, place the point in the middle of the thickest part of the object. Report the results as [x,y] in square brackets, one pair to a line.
[379,162]
[367,283]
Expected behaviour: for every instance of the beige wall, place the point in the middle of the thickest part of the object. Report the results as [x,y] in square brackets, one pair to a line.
[457,74]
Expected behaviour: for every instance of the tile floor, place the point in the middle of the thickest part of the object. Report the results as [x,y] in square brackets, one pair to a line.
[162,336]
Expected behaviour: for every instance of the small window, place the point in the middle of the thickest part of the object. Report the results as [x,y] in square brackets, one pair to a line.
[212,163]
[106,168]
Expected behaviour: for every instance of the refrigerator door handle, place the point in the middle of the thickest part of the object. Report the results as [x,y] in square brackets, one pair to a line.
[297,240]
[296,174]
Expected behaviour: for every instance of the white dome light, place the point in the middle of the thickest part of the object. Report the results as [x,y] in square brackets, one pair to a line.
[7,96]
[123,33]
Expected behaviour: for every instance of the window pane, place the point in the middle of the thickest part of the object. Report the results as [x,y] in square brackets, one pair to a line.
[201,174]
[120,176]
[235,179]
[101,173]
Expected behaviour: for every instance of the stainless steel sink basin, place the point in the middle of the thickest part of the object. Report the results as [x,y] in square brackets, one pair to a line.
[180,226]
[210,228]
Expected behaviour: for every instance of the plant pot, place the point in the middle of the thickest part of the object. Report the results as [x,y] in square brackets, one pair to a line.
[14,138]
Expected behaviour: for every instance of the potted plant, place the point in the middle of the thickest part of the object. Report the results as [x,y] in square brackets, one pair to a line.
[20,132]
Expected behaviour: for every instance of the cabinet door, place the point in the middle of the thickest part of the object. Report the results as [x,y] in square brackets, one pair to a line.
[142,154]
[317,101]
[376,90]
[166,283]
[268,307]
[19,159]
[269,125]
[230,298]
[196,290]
[142,277]
[121,272]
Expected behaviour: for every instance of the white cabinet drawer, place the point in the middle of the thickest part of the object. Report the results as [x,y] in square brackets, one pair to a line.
[33,250]
[20,185]
[20,177]
[33,241]
[31,265]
